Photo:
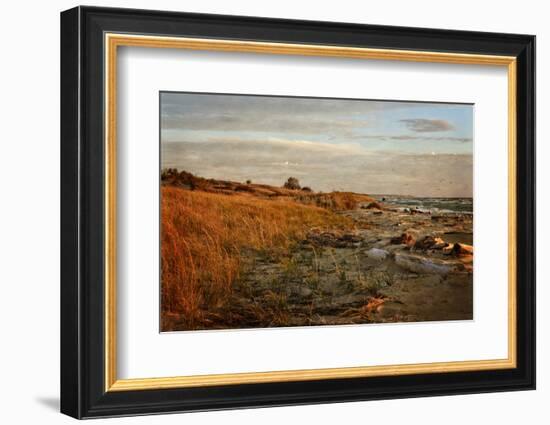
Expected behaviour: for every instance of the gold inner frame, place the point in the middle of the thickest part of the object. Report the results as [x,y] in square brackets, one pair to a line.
[113,41]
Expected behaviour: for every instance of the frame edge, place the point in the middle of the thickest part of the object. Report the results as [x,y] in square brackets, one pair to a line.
[526,217]
[70,361]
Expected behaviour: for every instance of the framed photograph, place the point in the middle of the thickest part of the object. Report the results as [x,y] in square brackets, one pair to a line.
[261,212]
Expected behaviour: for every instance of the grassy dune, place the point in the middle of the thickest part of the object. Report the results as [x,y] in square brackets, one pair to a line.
[207,233]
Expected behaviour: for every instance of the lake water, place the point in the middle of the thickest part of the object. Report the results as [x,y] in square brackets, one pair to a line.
[434,205]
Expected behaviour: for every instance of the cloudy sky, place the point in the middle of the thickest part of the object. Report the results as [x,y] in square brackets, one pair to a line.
[377,147]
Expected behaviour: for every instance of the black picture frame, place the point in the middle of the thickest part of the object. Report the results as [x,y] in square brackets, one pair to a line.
[83,392]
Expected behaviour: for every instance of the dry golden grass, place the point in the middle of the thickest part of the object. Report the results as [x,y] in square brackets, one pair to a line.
[205,237]
[336,201]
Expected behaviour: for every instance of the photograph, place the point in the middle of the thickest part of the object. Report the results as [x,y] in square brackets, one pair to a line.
[283,211]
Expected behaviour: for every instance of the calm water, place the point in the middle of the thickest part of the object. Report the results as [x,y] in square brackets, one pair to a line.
[434,205]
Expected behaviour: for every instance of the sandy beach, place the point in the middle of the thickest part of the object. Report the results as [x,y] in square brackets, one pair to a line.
[398,266]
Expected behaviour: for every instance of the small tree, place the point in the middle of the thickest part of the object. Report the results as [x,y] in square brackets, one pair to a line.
[292,183]
[248,181]
[168,173]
